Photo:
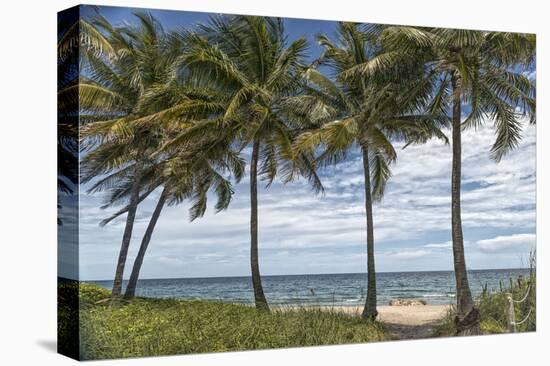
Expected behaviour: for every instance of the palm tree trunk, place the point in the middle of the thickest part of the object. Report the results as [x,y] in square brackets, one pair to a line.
[259,297]
[369,311]
[127,236]
[132,283]
[468,317]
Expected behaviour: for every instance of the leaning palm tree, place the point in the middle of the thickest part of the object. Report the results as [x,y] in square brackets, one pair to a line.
[365,113]
[189,176]
[247,61]
[117,88]
[480,70]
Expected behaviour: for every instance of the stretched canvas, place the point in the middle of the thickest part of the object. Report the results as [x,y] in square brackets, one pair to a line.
[231,182]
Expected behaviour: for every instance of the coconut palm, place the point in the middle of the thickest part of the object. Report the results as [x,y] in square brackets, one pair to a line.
[362,112]
[247,61]
[189,175]
[118,89]
[482,71]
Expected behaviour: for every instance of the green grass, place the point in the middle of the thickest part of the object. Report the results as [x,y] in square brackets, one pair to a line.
[493,308]
[153,327]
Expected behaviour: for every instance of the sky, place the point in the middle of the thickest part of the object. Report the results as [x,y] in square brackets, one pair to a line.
[300,232]
[174,20]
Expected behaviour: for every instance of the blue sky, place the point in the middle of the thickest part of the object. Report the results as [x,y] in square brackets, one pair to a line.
[303,233]
[173,20]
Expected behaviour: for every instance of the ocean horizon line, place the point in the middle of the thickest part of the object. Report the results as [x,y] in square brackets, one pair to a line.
[299,274]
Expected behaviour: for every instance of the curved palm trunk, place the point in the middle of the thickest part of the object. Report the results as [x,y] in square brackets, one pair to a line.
[259,297]
[127,236]
[468,317]
[369,311]
[132,283]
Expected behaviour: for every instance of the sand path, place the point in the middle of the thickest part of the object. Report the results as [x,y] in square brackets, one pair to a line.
[410,322]
[407,322]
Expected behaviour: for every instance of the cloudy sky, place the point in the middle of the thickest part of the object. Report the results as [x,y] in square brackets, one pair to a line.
[300,232]
[303,233]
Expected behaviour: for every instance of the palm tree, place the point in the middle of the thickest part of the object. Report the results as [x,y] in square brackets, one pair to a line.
[246,61]
[73,38]
[189,175]
[478,69]
[119,89]
[369,113]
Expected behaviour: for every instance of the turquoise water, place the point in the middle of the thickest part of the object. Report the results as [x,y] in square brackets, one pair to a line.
[325,289]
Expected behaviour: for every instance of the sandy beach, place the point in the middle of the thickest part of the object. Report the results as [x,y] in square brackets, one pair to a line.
[408,315]
[407,322]
[404,322]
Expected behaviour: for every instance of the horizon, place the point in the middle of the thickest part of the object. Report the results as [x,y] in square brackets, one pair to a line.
[310,274]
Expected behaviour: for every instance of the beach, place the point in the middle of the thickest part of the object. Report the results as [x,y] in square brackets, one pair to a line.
[409,315]
[402,322]
[160,326]
[406,322]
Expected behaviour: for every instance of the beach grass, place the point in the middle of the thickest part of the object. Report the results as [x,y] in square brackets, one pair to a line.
[493,307]
[154,327]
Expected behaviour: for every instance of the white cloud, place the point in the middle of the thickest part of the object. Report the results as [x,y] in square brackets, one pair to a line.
[445,245]
[515,242]
[327,233]
[408,254]
[168,261]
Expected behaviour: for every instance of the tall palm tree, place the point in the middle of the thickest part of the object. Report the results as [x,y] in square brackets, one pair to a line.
[480,70]
[368,113]
[117,88]
[247,61]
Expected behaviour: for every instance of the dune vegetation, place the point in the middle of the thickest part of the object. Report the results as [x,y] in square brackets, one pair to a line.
[493,307]
[140,327]
[152,327]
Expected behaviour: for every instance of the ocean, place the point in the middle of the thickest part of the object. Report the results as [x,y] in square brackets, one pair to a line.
[436,287]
